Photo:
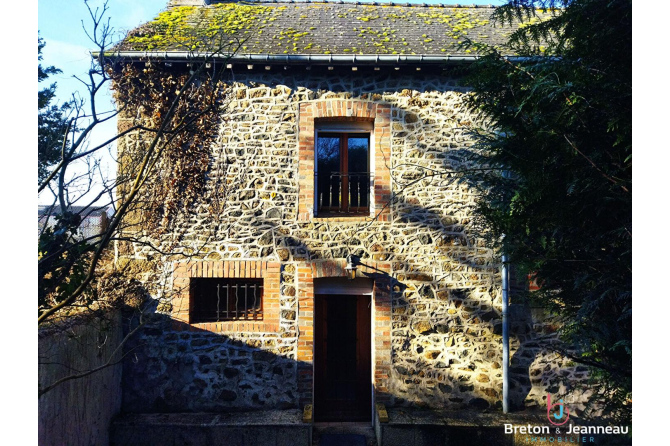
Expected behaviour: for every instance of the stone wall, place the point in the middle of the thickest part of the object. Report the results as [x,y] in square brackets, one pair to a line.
[446,298]
[177,366]
[199,371]
[79,412]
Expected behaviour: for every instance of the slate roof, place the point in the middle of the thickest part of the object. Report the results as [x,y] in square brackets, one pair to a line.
[316,28]
[94,220]
[44,210]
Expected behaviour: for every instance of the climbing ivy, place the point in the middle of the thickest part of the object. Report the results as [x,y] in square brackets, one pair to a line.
[179,174]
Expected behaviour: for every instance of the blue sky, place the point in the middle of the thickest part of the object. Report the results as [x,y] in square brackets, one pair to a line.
[60,25]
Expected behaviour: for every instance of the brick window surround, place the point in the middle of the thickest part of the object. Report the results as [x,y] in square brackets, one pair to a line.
[249,269]
[380,147]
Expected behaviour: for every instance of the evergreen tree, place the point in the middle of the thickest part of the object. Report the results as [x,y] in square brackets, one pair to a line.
[51,119]
[557,122]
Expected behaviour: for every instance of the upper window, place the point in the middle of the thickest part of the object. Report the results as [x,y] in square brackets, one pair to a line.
[342,173]
[344,148]
[215,300]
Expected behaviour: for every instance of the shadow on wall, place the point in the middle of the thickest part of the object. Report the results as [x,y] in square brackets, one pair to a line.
[441,340]
[451,315]
[445,325]
[175,367]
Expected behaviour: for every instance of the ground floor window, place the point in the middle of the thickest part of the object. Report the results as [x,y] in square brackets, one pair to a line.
[216,299]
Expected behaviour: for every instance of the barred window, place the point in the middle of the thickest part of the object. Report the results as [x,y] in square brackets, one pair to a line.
[215,300]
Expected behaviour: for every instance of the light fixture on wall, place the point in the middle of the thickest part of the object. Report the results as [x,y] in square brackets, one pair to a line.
[351,267]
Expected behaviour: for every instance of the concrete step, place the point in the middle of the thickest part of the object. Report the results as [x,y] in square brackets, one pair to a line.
[343,429]
[262,428]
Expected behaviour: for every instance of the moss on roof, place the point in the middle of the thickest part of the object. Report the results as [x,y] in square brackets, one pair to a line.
[317,28]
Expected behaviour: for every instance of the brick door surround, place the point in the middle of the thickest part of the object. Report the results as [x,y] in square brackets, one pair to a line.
[381,323]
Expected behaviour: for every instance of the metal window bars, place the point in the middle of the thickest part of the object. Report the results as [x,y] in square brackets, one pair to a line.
[242,301]
[227,300]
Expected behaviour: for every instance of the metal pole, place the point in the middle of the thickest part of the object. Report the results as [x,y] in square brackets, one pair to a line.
[505,333]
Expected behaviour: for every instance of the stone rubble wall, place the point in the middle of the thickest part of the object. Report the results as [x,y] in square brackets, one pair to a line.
[446,304]
[178,368]
[179,371]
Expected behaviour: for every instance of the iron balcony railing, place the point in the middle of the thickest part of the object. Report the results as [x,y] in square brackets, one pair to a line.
[344,193]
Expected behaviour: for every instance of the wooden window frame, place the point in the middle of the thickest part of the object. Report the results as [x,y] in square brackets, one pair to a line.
[311,114]
[343,209]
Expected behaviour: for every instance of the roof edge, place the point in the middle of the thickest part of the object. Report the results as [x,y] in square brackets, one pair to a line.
[177,3]
[292,59]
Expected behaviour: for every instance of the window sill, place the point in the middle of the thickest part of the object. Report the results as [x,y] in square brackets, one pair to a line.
[237,326]
[342,218]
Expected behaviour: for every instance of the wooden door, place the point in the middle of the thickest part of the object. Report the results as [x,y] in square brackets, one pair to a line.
[342,378]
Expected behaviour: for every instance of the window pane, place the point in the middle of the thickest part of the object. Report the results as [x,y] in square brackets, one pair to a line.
[207,295]
[359,182]
[328,171]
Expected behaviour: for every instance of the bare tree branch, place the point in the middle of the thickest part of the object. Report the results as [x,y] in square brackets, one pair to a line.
[110,362]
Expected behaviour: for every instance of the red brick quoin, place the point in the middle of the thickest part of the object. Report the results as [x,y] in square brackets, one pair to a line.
[345,110]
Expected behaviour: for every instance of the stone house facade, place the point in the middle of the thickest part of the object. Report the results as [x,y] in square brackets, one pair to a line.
[344,147]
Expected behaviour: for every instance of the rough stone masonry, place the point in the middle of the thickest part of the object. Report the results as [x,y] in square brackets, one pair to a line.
[444,333]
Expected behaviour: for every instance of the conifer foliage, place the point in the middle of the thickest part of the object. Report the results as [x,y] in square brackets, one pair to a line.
[51,119]
[557,135]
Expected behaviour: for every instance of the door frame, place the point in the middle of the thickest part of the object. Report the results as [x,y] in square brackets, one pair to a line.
[339,285]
